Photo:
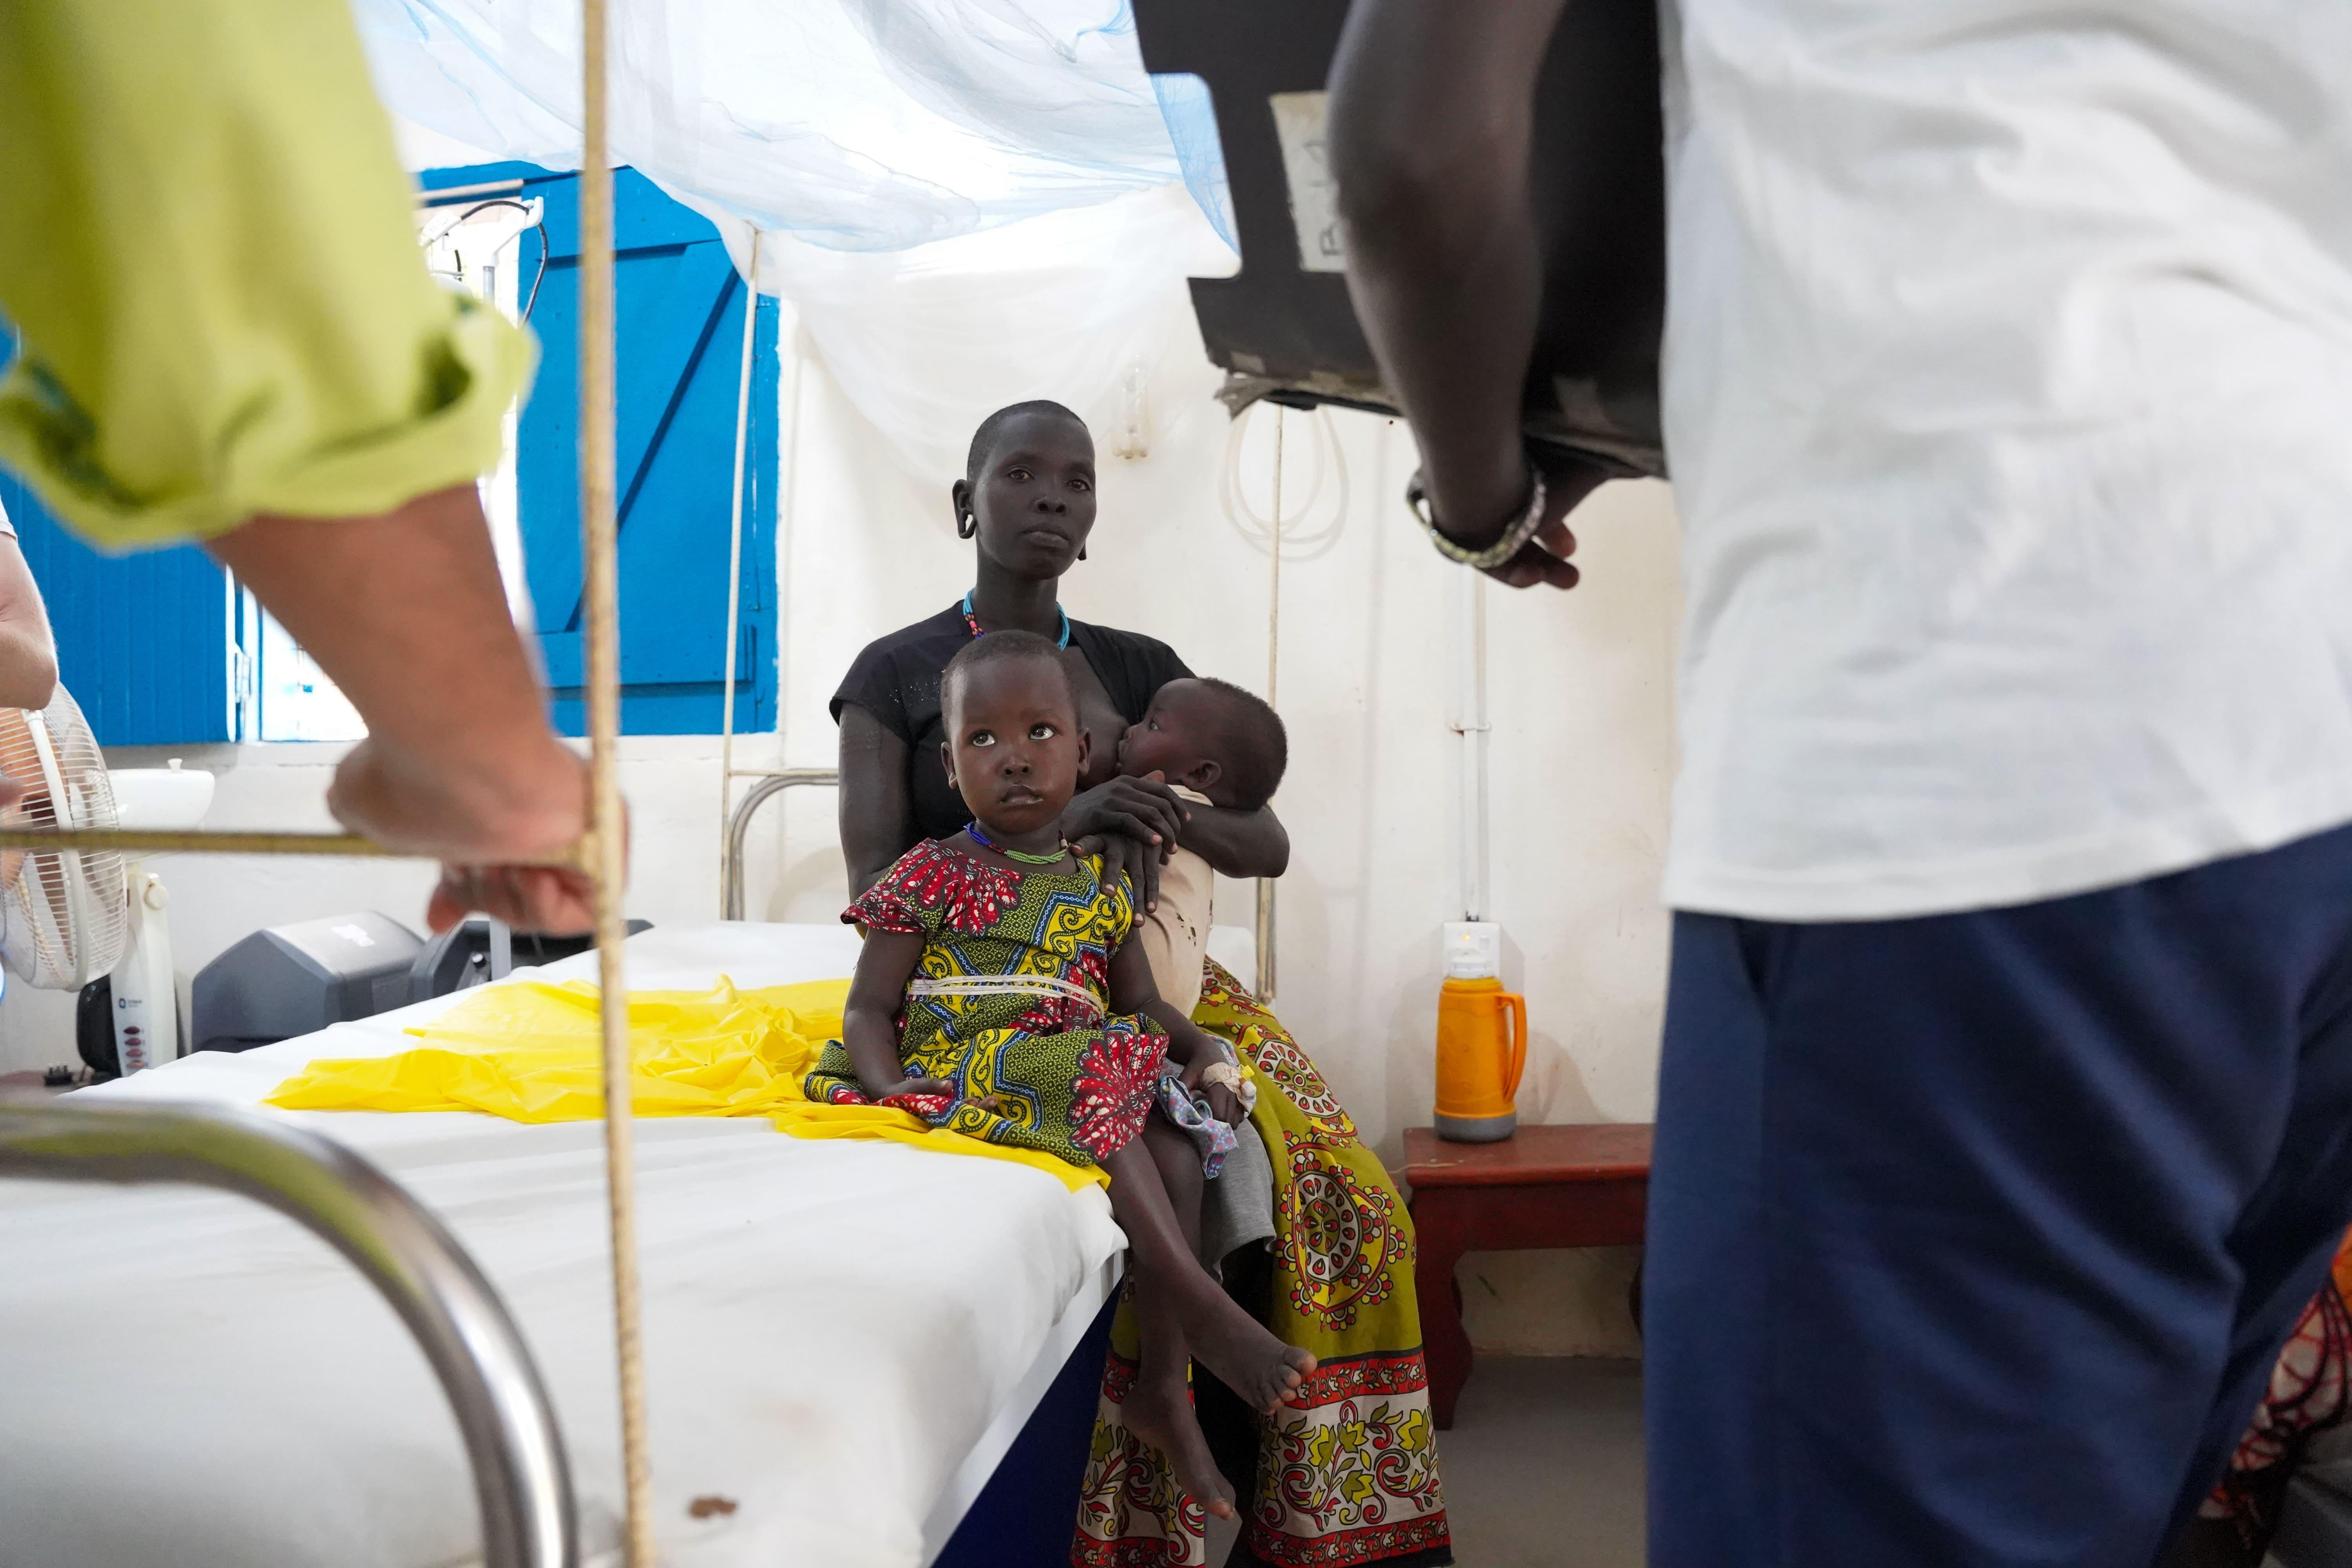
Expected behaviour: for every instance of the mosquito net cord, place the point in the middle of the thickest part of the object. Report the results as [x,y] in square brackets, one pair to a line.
[609,866]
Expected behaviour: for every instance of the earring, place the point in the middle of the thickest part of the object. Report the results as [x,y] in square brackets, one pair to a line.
[966,526]
[1082,552]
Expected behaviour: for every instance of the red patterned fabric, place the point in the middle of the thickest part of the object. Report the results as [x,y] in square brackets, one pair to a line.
[970,897]
[1113,1094]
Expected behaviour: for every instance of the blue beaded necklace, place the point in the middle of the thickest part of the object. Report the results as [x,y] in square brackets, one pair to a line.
[985,842]
[973,621]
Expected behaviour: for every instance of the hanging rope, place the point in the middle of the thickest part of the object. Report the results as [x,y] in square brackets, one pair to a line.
[600,533]
[735,558]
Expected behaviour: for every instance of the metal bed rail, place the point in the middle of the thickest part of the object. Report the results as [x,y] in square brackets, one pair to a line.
[739,824]
[521,1475]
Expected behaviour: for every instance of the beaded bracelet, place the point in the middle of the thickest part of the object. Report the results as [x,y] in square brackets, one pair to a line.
[1515,538]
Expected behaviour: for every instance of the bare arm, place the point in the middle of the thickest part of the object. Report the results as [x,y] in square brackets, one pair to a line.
[404,610]
[28,658]
[877,815]
[1239,843]
[1133,991]
[1432,115]
[869,1026]
[1189,1046]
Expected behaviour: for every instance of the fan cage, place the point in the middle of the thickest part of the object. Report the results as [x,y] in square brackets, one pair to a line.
[65,916]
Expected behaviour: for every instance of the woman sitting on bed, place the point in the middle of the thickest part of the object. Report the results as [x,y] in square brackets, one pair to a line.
[1336,1276]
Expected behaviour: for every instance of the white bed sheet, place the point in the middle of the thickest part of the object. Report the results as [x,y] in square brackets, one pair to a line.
[841,1337]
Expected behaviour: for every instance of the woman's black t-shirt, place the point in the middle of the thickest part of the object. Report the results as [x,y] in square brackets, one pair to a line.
[897,680]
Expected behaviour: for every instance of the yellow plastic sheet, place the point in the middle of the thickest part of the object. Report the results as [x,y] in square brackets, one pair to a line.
[530,1051]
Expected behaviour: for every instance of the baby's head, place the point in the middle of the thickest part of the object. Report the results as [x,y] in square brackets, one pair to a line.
[1013,749]
[1210,736]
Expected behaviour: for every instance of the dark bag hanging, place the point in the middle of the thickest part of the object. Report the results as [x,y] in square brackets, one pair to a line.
[1283,328]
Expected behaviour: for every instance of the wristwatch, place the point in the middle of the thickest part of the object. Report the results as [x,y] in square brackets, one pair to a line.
[1515,538]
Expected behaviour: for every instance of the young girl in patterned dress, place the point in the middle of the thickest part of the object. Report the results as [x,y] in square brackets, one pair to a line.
[999,996]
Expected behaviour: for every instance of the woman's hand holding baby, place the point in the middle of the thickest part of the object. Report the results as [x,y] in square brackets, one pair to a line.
[1134,824]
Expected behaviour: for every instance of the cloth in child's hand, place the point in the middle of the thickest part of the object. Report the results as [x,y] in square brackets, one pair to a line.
[1188,1108]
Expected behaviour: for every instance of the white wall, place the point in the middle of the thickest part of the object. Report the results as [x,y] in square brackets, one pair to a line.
[1581,754]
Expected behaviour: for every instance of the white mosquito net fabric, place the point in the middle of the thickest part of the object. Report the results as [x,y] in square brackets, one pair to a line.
[969,201]
[855,124]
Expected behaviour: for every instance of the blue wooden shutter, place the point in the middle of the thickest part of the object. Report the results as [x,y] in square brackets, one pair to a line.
[680,342]
[143,640]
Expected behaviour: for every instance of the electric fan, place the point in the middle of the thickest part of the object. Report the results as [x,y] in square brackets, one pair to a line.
[138,1022]
[64,919]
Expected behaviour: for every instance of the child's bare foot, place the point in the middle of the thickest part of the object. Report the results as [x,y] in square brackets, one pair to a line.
[1161,1414]
[1259,1368]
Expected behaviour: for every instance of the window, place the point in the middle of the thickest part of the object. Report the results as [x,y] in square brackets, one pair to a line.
[162,648]
[680,342]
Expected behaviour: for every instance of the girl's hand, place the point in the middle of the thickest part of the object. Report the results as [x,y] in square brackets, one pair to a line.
[911,1086]
[1223,1103]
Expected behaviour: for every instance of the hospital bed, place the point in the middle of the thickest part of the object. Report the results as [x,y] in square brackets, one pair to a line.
[855,1350]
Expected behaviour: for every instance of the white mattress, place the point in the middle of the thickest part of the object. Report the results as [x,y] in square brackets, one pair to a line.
[840,1337]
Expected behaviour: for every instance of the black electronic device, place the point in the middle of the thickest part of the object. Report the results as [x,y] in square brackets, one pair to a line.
[1283,328]
[296,979]
[467,954]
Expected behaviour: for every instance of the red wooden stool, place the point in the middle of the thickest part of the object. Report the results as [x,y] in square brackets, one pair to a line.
[1547,1186]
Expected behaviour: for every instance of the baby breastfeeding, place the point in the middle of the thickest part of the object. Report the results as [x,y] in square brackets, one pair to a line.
[1008,993]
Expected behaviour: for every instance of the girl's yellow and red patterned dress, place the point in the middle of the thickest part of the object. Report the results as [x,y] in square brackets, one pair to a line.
[1057,1072]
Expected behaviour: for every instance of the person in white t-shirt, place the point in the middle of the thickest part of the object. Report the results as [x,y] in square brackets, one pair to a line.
[2005,1117]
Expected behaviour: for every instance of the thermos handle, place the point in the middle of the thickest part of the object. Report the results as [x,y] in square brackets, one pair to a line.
[1516,1005]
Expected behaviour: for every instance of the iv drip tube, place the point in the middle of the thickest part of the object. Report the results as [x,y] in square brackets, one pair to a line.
[1472,727]
[1266,950]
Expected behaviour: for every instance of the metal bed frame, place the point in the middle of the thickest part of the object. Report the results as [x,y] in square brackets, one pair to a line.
[521,1478]
[739,824]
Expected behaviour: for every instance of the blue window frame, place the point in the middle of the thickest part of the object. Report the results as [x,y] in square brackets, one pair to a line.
[149,643]
[679,337]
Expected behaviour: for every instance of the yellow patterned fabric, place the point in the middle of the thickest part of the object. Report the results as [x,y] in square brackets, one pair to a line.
[1059,1073]
[530,1051]
[1348,1469]
[208,244]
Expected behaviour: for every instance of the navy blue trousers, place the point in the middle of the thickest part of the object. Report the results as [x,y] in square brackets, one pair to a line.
[1972,1238]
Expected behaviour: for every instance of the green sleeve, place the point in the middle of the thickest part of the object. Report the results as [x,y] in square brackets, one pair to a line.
[208,247]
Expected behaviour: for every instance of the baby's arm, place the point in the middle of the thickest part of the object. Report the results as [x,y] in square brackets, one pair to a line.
[869,1023]
[1132,990]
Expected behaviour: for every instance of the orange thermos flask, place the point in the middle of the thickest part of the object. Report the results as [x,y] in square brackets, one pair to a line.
[1482,1039]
